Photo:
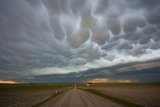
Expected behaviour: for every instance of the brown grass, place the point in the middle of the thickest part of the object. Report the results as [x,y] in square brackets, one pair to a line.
[26,95]
[147,95]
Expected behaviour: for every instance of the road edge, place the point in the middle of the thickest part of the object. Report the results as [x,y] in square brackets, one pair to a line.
[52,96]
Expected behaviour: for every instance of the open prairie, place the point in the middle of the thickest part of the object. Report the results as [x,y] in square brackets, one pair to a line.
[49,95]
[68,95]
[144,94]
[26,95]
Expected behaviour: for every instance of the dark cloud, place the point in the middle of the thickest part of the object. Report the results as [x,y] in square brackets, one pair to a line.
[78,38]
[99,36]
[153,16]
[131,24]
[55,37]
[137,71]
[114,26]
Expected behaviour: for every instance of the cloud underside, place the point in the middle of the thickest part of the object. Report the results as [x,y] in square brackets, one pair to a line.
[147,71]
[45,37]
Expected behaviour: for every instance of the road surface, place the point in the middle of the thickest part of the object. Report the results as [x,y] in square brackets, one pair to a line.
[79,98]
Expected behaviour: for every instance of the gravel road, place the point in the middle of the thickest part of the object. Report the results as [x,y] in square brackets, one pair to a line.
[79,98]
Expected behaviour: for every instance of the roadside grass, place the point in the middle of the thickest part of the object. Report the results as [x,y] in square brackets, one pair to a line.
[44,101]
[114,99]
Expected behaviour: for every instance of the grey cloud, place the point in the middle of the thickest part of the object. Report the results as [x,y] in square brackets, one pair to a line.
[134,36]
[88,22]
[144,39]
[125,45]
[116,10]
[149,29]
[75,33]
[149,4]
[131,24]
[78,61]
[77,6]
[99,36]
[56,6]
[147,74]
[102,7]
[156,37]
[114,26]
[154,45]
[153,16]
[58,31]
[78,38]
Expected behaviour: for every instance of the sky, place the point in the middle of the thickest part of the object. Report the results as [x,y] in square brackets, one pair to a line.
[80,41]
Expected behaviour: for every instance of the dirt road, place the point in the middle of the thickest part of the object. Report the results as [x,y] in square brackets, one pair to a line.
[79,98]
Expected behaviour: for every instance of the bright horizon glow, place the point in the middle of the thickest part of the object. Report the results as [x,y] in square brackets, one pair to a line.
[108,80]
[7,82]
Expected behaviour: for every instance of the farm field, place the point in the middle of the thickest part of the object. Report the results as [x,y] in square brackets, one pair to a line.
[35,95]
[147,95]
[26,95]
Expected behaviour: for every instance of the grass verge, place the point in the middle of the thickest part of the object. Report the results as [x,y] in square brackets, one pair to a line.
[114,99]
[44,101]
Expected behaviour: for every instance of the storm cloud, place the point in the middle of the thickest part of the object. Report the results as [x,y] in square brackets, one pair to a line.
[61,37]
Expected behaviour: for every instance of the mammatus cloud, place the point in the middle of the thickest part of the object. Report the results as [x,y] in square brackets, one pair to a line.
[44,37]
